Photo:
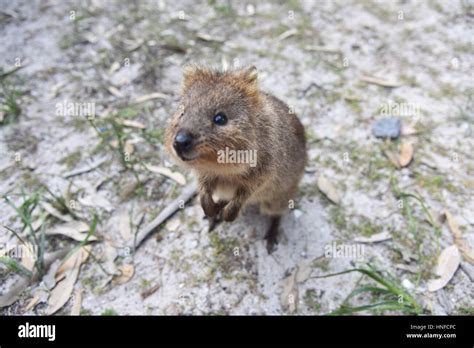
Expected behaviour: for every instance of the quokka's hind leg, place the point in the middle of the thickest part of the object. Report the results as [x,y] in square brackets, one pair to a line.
[274,209]
[273,233]
[216,220]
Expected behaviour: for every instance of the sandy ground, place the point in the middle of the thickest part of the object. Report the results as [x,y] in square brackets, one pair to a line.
[315,55]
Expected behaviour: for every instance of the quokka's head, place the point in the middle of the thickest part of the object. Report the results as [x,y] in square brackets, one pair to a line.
[218,109]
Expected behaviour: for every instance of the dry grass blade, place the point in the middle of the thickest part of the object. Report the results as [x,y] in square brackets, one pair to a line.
[133,124]
[376,238]
[148,97]
[380,82]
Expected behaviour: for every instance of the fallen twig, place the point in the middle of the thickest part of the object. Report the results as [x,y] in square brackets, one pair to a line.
[188,193]
[85,169]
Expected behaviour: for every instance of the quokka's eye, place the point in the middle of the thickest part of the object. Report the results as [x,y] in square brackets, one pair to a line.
[220,119]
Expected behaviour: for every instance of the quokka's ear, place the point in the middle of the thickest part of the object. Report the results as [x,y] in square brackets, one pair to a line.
[191,73]
[249,74]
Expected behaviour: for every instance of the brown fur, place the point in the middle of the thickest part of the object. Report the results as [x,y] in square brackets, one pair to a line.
[257,121]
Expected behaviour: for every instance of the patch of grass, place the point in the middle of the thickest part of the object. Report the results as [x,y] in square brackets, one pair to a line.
[322,264]
[71,159]
[465,310]
[310,299]
[223,9]
[364,227]
[109,312]
[367,228]
[14,266]
[37,238]
[355,106]
[154,136]
[223,252]
[85,312]
[420,235]
[386,293]
[128,112]
[433,184]
[338,218]
[10,108]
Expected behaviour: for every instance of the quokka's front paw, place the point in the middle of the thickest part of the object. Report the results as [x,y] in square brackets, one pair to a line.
[211,209]
[231,211]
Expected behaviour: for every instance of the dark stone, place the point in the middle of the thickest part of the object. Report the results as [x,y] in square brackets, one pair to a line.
[387,128]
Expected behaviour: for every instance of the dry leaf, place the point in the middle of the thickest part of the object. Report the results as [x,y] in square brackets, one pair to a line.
[391,157]
[37,224]
[126,273]
[97,200]
[114,67]
[76,230]
[11,296]
[289,295]
[329,190]
[406,154]
[208,38]
[453,225]
[128,189]
[304,271]
[178,177]
[28,256]
[173,224]
[68,272]
[150,291]
[81,254]
[114,91]
[379,237]
[462,244]
[133,124]
[56,213]
[32,302]
[407,129]
[109,255]
[76,307]
[125,225]
[128,147]
[448,263]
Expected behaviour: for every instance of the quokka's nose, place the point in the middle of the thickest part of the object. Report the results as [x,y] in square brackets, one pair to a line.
[183,141]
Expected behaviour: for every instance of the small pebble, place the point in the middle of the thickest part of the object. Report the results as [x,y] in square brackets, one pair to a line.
[407,284]
[387,128]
